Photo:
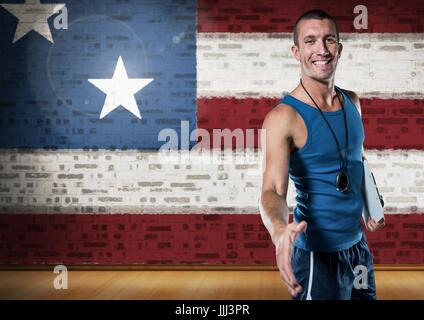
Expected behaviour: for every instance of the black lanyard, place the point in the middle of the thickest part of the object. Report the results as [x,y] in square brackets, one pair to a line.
[343,161]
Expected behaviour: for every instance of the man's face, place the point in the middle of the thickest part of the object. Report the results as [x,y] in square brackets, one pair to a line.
[317,50]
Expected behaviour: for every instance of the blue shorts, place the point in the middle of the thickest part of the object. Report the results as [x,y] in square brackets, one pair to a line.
[341,275]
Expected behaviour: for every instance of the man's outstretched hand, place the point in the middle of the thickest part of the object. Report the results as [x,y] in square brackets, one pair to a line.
[283,252]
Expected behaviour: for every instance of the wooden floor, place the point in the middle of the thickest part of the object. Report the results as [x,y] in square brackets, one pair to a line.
[182,285]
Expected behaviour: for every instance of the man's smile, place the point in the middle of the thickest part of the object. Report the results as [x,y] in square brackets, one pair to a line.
[322,64]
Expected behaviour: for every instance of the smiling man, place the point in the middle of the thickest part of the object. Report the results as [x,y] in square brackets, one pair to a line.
[315,136]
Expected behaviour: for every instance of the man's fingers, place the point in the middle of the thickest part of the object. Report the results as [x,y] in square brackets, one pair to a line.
[298,228]
[286,279]
[287,266]
[372,225]
[301,227]
[293,289]
[290,276]
[284,255]
[284,262]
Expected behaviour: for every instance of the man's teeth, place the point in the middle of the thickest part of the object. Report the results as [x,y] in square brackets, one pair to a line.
[321,62]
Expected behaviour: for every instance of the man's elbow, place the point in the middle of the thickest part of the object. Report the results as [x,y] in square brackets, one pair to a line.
[271,198]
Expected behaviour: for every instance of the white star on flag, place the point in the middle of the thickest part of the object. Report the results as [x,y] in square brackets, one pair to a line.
[33,15]
[120,90]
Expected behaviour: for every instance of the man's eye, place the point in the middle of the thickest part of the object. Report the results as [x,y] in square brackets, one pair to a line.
[309,41]
[331,40]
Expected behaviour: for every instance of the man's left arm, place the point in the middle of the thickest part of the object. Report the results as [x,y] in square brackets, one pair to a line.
[355,99]
[372,225]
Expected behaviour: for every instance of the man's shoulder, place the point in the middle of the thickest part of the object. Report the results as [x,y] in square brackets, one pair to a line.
[280,118]
[354,97]
[281,113]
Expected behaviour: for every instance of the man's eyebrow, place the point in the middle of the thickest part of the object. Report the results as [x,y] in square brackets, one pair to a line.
[313,37]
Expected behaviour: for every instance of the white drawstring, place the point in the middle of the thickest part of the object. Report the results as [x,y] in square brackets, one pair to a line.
[311,275]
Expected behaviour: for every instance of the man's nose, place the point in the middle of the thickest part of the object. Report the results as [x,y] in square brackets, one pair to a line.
[322,48]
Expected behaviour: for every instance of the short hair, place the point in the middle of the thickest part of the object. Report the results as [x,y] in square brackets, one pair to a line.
[313,14]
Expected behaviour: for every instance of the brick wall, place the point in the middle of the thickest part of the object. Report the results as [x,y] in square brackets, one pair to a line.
[96,206]
[174,239]
[279,16]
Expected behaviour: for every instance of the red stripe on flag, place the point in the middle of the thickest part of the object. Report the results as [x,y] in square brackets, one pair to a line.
[277,16]
[174,239]
[388,124]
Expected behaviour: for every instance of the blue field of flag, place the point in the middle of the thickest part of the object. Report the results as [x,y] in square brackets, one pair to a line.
[47,100]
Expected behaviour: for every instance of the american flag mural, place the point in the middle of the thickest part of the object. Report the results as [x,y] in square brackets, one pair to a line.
[90,91]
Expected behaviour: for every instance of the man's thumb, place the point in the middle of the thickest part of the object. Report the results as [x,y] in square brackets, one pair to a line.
[301,227]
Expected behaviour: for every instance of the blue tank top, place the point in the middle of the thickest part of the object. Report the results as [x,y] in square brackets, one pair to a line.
[334,218]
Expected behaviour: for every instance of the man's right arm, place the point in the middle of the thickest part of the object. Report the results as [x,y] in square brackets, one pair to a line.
[276,153]
[273,206]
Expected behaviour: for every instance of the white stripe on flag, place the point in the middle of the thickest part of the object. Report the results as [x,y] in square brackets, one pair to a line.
[138,182]
[386,65]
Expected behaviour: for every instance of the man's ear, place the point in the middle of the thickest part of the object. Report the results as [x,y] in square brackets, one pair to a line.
[295,52]
[340,49]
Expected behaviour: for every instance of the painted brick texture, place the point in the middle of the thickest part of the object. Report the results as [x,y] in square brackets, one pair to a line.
[174,239]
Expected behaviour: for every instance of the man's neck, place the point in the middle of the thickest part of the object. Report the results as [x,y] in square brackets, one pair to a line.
[322,92]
